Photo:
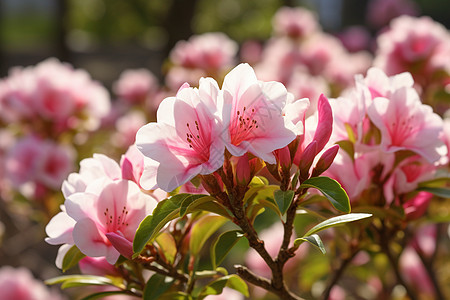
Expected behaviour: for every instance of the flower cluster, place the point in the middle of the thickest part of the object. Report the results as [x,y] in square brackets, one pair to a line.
[53,96]
[391,140]
[194,128]
[103,208]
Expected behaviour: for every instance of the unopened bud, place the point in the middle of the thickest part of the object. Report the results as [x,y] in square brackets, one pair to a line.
[325,161]
[307,159]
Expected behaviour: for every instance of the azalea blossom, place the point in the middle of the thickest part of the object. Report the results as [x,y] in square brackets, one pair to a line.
[186,139]
[37,161]
[53,92]
[253,114]
[407,124]
[19,283]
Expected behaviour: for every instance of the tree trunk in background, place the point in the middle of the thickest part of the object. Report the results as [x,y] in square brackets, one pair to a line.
[61,21]
[178,22]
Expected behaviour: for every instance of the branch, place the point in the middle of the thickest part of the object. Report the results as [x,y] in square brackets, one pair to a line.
[395,267]
[337,275]
[264,283]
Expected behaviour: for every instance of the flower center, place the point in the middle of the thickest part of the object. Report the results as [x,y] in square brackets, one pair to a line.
[115,222]
[401,131]
[244,124]
[196,141]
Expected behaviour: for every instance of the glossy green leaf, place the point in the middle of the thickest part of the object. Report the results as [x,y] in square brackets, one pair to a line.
[202,230]
[222,245]
[331,189]
[283,199]
[438,191]
[232,281]
[71,259]
[205,203]
[156,286]
[314,240]
[335,221]
[102,295]
[190,200]
[166,210]
[168,246]
[79,280]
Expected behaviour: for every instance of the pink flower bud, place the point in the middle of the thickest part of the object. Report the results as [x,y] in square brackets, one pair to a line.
[416,207]
[325,161]
[283,157]
[120,243]
[307,159]
[325,124]
[243,170]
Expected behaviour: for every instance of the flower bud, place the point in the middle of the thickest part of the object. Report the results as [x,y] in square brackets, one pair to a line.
[325,161]
[120,243]
[307,159]
[325,123]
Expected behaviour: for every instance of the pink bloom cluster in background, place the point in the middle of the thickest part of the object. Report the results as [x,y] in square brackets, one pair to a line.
[53,96]
[21,285]
[103,208]
[209,54]
[381,12]
[416,45]
[395,141]
[34,164]
[307,60]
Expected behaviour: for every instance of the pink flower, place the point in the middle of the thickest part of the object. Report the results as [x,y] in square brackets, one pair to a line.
[414,272]
[19,284]
[295,22]
[253,114]
[355,38]
[416,45]
[91,169]
[97,266]
[381,12]
[416,207]
[134,86]
[186,140]
[54,92]
[407,124]
[33,160]
[127,126]
[209,51]
[106,222]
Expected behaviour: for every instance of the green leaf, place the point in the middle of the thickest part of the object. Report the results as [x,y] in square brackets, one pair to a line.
[156,286]
[203,203]
[335,221]
[283,199]
[202,230]
[258,181]
[331,189]
[80,280]
[313,239]
[166,210]
[232,281]
[222,245]
[440,192]
[175,296]
[190,200]
[102,295]
[71,259]
[168,246]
